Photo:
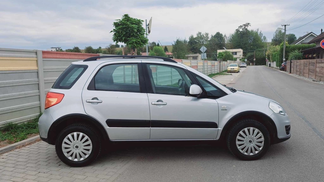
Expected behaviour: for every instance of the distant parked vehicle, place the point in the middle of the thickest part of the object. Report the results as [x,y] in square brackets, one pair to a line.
[243,65]
[233,68]
[283,66]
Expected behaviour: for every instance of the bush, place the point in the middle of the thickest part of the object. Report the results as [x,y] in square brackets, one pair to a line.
[295,55]
[158,51]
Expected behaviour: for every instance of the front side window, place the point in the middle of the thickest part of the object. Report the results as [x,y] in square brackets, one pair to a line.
[118,77]
[169,80]
[211,90]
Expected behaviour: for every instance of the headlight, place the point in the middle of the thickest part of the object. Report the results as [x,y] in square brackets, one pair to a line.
[276,108]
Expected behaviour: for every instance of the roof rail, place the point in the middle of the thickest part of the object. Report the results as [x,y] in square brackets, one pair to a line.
[157,57]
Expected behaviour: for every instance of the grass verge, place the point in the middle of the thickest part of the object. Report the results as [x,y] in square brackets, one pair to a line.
[12,133]
[220,73]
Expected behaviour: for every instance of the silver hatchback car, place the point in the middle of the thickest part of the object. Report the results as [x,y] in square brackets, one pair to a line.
[119,98]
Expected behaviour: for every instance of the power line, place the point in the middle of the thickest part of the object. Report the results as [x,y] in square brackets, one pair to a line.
[312,9]
[299,11]
[307,23]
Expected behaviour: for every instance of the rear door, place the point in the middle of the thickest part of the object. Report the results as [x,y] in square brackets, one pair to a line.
[116,98]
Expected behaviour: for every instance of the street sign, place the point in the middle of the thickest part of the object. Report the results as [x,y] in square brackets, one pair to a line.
[203,56]
[322,44]
[203,49]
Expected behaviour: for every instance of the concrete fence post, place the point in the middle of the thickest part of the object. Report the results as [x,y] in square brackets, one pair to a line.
[41,82]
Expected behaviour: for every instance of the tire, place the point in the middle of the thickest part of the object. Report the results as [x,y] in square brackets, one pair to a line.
[248,140]
[78,145]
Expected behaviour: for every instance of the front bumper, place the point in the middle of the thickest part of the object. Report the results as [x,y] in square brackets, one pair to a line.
[283,127]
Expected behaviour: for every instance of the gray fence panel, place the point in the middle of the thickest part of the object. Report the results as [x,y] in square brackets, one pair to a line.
[17,53]
[19,96]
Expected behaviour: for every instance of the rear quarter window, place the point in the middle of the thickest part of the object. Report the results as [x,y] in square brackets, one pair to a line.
[68,78]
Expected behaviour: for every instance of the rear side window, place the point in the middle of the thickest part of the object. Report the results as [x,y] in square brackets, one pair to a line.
[68,78]
[117,77]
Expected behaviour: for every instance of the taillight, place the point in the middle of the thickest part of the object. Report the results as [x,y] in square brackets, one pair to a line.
[52,99]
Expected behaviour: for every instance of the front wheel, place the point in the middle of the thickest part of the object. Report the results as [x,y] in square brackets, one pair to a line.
[248,140]
[77,145]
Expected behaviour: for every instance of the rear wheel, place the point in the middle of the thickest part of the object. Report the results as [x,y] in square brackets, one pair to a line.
[248,140]
[78,145]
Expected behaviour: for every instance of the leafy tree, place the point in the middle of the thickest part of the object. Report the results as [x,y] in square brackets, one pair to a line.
[202,38]
[119,52]
[99,50]
[152,45]
[68,50]
[157,51]
[220,55]
[180,49]
[215,43]
[193,45]
[76,49]
[130,31]
[111,49]
[247,39]
[291,38]
[166,49]
[89,49]
[227,56]
[278,37]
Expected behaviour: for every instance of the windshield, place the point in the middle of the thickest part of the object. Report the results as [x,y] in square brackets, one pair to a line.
[233,65]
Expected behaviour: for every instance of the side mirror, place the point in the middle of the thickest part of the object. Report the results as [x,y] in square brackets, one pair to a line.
[195,90]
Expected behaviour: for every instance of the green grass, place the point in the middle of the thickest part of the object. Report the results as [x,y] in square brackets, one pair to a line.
[220,73]
[18,132]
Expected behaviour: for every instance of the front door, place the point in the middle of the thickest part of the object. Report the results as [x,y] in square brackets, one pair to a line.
[174,114]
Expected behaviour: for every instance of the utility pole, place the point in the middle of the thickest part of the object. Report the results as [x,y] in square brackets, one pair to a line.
[284,48]
[146,36]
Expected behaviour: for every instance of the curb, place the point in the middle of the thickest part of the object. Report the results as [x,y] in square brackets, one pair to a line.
[19,144]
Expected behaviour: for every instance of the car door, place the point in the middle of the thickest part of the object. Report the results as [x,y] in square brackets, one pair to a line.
[115,97]
[174,114]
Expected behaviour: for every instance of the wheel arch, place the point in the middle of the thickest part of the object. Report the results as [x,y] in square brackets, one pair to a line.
[258,116]
[67,120]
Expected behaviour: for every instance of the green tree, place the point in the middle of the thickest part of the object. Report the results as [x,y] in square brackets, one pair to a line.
[89,49]
[99,50]
[180,49]
[130,31]
[193,45]
[247,39]
[228,56]
[291,38]
[278,37]
[166,49]
[158,51]
[111,49]
[152,45]
[215,43]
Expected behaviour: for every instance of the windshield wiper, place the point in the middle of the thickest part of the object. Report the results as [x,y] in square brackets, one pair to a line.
[231,88]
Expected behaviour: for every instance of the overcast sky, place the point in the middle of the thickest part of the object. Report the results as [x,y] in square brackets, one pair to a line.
[41,24]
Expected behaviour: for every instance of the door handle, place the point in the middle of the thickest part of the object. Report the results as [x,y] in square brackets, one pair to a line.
[94,100]
[159,103]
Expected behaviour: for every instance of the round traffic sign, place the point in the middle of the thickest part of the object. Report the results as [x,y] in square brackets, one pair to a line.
[322,44]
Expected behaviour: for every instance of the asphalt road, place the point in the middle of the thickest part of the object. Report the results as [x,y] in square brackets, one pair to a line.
[301,158]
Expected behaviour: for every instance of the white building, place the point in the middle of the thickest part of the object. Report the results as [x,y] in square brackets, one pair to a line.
[237,53]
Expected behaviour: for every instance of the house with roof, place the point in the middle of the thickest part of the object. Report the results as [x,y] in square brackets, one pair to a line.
[305,39]
[315,52]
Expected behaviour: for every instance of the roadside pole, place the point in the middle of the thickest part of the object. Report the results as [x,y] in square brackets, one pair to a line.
[284,48]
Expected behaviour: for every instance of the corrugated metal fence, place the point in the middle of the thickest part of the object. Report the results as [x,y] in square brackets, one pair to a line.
[27,75]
